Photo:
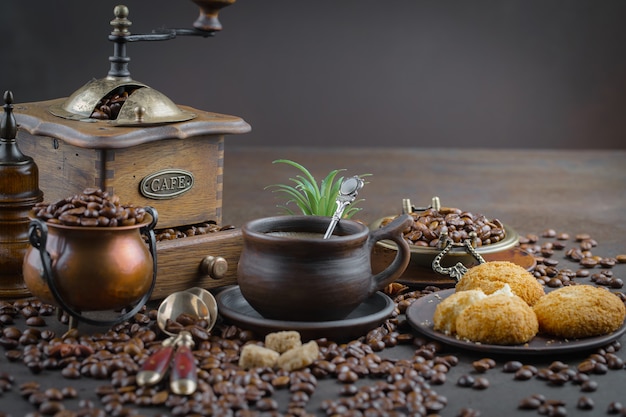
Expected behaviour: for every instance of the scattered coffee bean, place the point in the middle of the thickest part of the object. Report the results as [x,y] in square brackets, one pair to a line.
[585,403]
[468,412]
[481,366]
[512,366]
[530,403]
[615,407]
[465,381]
[480,383]
[589,386]
[525,373]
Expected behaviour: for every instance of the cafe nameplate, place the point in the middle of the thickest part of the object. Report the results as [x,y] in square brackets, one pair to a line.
[166,184]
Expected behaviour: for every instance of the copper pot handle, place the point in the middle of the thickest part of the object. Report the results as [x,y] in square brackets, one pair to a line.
[38,237]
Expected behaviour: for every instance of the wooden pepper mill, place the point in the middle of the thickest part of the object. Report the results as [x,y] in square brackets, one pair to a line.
[19,192]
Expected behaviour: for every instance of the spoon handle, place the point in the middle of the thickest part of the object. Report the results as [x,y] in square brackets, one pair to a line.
[184,377]
[155,367]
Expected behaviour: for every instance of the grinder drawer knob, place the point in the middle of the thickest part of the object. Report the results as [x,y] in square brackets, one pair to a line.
[214,266]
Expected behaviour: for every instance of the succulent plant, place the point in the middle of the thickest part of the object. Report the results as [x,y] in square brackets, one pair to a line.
[308,196]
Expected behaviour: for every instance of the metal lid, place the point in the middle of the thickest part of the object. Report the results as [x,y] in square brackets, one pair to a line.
[120,102]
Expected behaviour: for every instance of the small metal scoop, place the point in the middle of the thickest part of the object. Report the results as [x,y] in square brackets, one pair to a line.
[347,193]
[196,302]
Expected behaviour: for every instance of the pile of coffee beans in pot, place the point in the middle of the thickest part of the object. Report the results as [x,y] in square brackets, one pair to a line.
[429,225]
[92,208]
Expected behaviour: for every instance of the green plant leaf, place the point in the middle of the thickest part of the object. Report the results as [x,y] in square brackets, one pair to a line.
[310,198]
[294,196]
[329,191]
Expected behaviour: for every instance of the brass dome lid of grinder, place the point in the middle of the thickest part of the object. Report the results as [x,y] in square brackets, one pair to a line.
[118,100]
[127,103]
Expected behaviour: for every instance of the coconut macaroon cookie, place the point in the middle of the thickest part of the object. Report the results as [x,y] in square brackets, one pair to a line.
[498,319]
[446,312]
[578,311]
[492,276]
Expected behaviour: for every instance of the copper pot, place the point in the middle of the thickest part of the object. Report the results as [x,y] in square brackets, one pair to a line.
[91,268]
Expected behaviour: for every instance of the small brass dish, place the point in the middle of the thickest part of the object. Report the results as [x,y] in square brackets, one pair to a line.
[421,270]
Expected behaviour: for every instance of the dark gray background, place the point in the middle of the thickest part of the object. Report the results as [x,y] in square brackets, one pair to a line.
[508,74]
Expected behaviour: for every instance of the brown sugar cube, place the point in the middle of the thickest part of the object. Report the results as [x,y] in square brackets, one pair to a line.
[300,357]
[283,341]
[255,356]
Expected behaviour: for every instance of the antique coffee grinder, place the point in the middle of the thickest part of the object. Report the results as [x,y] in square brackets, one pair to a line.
[126,138]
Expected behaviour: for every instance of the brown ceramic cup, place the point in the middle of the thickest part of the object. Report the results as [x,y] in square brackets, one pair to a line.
[287,271]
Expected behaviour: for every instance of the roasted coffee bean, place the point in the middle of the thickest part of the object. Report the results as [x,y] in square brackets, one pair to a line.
[468,412]
[524,374]
[37,321]
[512,366]
[585,403]
[589,386]
[614,362]
[50,407]
[544,374]
[530,403]
[553,410]
[588,262]
[53,394]
[13,355]
[71,372]
[9,343]
[69,392]
[480,383]
[579,378]
[615,407]
[558,378]
[483,365]
[465,381]
[586,366]
[347,377]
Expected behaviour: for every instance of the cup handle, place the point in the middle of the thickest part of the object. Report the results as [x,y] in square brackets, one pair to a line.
[392,231]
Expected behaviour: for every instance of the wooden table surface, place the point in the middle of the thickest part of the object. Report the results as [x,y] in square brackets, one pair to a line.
[530,190]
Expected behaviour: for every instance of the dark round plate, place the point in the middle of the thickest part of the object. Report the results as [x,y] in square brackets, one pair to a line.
[420,315]
[235,309]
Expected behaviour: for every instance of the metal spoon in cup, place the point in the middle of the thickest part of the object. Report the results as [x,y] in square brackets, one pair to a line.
[197,303]
[347,193]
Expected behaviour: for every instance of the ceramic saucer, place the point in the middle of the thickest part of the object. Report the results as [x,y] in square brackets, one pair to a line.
[234,308]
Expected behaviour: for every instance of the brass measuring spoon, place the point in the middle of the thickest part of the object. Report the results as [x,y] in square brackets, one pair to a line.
[195,302]
[347,193]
